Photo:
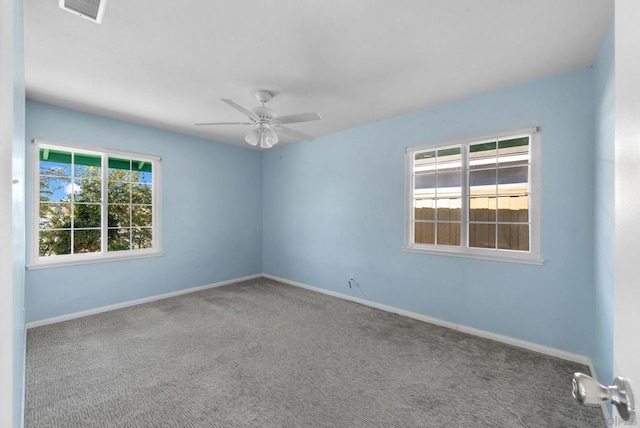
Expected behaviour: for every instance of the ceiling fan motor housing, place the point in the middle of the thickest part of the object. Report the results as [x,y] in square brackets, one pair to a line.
[265,114]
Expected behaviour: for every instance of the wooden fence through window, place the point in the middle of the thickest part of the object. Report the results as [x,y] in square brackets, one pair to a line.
[513,227]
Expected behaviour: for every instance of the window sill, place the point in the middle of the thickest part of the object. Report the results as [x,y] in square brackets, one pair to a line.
[509,257]
[92,259]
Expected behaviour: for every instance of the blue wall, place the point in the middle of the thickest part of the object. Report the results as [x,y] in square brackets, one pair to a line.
[18,213]
[604,239]
[336,205]
[211,217]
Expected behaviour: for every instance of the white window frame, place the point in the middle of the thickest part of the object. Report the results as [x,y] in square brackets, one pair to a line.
[36,261]
[535,185]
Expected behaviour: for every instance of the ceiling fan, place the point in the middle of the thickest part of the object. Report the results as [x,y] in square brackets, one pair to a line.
[265,122]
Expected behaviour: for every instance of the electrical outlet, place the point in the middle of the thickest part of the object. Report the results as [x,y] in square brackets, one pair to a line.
[351,277]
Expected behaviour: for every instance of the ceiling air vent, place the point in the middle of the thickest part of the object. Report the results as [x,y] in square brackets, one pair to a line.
[90,9]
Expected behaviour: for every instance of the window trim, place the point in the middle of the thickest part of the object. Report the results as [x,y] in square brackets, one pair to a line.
[37,262]
[535,201]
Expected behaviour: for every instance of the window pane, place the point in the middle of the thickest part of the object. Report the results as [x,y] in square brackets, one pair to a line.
[141,193]
[483,155]
[143,177]
[55,216]
[141,215]
[514,151]
[513,237]
[424,209]
[119,239]
[518,145]
[513,209]
[424,181]
[119,215]
[448,182]
[424,161]
[141,171]
[482,209]
[119,169]
[141,238]
[55,162]
[86,241]
[513,180]
[87,166]
[449,209]
[482,235]
[87,215]
[119,192]
[449,158]
[54,242]
[87,190]
[483,182]
[424,233]
[55,189]
[448,233]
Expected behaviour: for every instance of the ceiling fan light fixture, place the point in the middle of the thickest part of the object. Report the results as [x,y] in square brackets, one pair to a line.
[253,137]
[270,137]
[264,144]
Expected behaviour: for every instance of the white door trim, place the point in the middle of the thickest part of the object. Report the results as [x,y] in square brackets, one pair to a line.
[7,418]
[626,349]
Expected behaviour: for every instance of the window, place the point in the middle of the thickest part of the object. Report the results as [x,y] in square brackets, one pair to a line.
[92,205]
[477,197]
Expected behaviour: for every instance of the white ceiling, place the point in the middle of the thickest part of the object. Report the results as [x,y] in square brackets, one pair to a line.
[167,63]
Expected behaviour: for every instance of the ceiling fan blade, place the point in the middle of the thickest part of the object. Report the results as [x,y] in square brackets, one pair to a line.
[241,109]
[224,123]
[297,118]
[293,133]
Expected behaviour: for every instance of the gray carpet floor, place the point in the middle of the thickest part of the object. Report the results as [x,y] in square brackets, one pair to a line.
[264,354]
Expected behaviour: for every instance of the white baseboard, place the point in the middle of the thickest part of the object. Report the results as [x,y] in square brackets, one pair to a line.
[101,309]
[576,358]
[470,330]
